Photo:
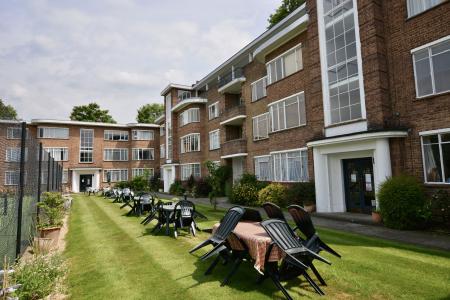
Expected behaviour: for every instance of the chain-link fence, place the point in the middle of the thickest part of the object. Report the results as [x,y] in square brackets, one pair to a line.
[25,173]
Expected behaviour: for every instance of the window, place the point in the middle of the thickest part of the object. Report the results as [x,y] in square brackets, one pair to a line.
[183,95]
[190,169]
[261,127]
[143,135]
[214,139]
[144,172]
[12,155]
[290,166]
[189,116]
[162,130]
[289,62]
[190,143]
[53,133]
[14,133]
[162,151]
[213,110]
[115,175]
[143,154]
[436,157]
[259,89]
[65,176]
[117,154]
[11,177]
[262,168]
[415,7]
[58,153]
[288,113]
[115,135]
[341,77]
[86,145]
[432,68]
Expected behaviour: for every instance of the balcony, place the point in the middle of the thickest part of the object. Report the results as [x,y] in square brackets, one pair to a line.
[233,148]
[231,82]
[234,115]
[182,103]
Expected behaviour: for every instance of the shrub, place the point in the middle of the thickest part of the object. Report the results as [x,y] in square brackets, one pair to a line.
[122,185]
[139,183]
[154,182]
[402,203]
[440,203]
[301,193]
[244,194]
[202,187]
[248,178]
[38,276]
[177,188]
[51,210]
[274,192]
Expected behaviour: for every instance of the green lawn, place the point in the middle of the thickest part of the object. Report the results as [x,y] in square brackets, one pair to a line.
[112,256]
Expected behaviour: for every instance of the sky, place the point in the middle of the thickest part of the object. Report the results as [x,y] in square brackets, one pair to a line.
[118,53]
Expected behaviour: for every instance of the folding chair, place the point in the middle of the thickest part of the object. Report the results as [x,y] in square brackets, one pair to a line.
[297,260]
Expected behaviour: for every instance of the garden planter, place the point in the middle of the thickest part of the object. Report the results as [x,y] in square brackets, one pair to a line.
[376,217]
[310,208]
[42,245]
[51,233]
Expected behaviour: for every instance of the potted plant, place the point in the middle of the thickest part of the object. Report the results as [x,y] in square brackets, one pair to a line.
[50,215]
[376,216]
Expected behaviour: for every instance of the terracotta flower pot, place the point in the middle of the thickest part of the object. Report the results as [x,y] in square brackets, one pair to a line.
[310,208]
[376,217]
[50,233]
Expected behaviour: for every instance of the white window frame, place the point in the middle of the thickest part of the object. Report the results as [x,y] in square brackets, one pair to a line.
[189,142]
[438,132]
[109,153]
[162,130]
[285,176]
[14,133]
[254,86]
[191,115]
[212,139]
[135,172]
[108,135]
[86,149]
[47,130]
[257,167]
[138,153]
[423,8]
[8,178]
[255,126]
[282,102]
[10,156]
[429,57]
[121,173]
[186,170]
[54,150]
[214,115]
[162,151]
[137,135]
[281,59]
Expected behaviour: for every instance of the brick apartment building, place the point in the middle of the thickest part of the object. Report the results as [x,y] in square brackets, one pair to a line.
[342,92]
[92,154]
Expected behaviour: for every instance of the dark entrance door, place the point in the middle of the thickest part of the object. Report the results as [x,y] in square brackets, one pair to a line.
[85,182]
[359,184]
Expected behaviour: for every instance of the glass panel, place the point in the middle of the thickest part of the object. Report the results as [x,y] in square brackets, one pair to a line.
[432,159]
[446,161]
[423,77]
[441,72]
[290,65]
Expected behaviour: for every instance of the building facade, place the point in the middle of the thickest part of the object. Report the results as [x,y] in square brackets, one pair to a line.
[342,92]
[92,154]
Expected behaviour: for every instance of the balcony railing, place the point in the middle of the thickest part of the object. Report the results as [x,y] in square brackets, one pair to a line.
[229,77]
[233,147]
[234,111]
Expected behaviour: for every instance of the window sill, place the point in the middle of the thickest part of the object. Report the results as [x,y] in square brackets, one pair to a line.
[267,86]
[345,123]
[258,140]
[437,184]
[213,118]
[181,126]
[215,149]
[431,96]
[425,11]
[282,130]
[262,98]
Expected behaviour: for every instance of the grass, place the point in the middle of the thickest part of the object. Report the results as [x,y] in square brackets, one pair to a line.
[112,256]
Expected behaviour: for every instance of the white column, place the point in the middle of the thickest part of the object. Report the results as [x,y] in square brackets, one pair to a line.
[323,200]
[382,164]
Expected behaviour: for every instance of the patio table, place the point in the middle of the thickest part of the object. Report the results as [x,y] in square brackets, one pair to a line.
[257,241]
[167,210]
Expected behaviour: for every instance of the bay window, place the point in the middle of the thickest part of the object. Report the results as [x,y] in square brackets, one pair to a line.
[213,110]
[284,65]
[190,115]
[58,153]
[259,89]
[142,172]
[261,127]
[415,7]
[190,143]
[86,145]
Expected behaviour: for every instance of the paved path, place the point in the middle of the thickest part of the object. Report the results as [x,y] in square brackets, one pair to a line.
[420,238]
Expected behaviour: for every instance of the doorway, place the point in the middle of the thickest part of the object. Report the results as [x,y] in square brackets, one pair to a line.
[359,185]
[85,182]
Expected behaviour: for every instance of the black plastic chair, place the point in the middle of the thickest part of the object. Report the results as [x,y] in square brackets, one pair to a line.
[184,217]
[251,215]
[303,222]
[273,211]
[297,260]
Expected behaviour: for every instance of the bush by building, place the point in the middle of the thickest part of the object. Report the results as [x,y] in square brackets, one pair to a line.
[301,193]
[275,193]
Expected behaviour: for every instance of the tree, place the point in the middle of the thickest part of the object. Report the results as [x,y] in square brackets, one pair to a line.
[91,113]
[148,113]
[218,175]
[286,7]
[7,112]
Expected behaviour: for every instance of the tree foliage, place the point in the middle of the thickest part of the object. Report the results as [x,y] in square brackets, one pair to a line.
[91,113]
[286,7]
[148,113]
[7,112]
